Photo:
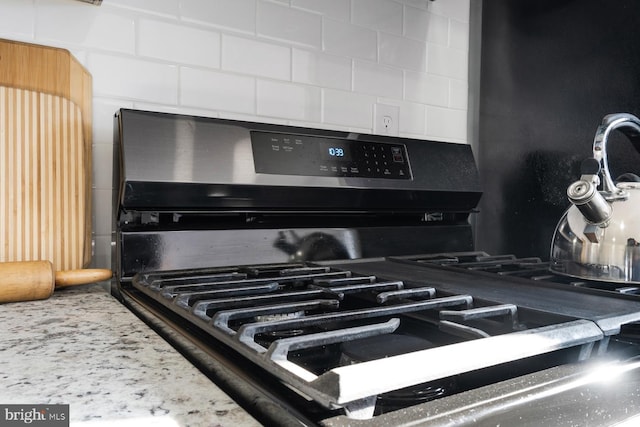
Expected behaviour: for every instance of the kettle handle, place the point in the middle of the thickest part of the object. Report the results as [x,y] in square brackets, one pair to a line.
[629,125]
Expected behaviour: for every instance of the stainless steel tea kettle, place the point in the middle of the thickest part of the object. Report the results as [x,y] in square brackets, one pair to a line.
[598,237]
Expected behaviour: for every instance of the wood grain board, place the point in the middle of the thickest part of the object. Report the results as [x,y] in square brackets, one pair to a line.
[43,208]
[50,70]
[45,156]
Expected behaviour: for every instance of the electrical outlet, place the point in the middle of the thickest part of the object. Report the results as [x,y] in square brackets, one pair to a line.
[386,119]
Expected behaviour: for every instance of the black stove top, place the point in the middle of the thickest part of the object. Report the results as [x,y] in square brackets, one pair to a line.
[532,268]
[326,330]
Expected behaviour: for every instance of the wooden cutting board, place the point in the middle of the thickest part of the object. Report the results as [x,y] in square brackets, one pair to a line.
[45,156]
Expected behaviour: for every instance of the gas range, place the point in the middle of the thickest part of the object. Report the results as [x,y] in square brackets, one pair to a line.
[328,278]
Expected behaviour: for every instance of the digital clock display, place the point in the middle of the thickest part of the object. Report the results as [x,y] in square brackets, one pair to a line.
[335,151]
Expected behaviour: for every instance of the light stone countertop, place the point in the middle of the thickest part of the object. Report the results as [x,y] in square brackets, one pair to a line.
[83,348]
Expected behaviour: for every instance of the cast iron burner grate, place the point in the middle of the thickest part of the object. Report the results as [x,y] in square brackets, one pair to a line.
[532,268]
[292,320]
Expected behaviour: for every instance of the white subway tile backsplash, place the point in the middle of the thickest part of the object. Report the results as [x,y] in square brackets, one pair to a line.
[336,9]
[315,125]
[167,8]
[376,79]
[236,15]
[291,25]
[455,9]
[448,124]
[347,108]
[416,23]
[426,88]
[91,26]
[447,62]
[288,100]
[178,43]
[426,26]
[103,113]
[17,19]
[459,35]
[342,38]
[102,176]
[115,76]
[383,15]
[412,118]
[438,30]
[458,94]
[321,69]
[214,90]
[422,4]
[255,57]
[402,52]
[102,210]
[253,118]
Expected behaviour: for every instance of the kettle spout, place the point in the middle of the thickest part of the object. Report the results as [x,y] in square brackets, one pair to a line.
[584,194]
[591,204]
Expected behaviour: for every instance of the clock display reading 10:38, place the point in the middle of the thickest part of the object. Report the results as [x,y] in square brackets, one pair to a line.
[336,151]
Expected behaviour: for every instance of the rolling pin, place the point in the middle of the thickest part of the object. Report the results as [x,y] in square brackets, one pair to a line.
[34,280]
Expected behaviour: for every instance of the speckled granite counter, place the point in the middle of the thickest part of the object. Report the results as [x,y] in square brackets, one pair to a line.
[105,363]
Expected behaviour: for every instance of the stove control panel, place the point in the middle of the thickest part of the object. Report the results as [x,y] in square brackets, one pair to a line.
[289,154]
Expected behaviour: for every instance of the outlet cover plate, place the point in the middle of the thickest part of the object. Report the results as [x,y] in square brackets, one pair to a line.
[386,119]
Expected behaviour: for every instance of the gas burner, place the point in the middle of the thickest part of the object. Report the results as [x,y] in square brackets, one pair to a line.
[269,337]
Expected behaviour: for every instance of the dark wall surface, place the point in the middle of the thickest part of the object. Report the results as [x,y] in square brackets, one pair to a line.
[550,71]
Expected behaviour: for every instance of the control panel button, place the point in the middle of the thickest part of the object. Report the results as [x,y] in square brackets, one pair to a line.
[396,152]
